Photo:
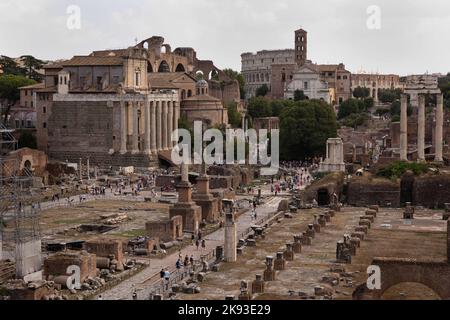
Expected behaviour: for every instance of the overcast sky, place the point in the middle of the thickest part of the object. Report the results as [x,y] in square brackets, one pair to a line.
[414,36]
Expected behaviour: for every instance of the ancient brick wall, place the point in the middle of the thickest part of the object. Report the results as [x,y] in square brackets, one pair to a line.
[382,192]
[431,191]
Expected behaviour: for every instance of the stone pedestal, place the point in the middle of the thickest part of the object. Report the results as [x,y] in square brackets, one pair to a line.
[186,208]
[204,199]
[409,212]
[280,262]
[289,253]
[269,273]
[310,232]
[258,285]
[322,221]
[230,246]
[28,258]
[297,246]
[245,294]
[372,213]
[306,241]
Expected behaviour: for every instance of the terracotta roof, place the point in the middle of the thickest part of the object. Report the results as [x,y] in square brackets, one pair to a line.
[48,89]
[166,80]
[34,86]
[109,53]
[55,65]
[327,67]
[93,61]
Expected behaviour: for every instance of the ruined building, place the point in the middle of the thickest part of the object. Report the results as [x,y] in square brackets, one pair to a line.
[120,107]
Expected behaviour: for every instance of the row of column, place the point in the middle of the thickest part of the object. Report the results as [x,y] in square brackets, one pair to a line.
[160,119]
[439,138]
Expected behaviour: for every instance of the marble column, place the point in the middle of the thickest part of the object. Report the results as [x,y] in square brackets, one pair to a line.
[165,145]
[170,125]
[421,129]
[439,136]
[123,128]
[158,126]
[147,125]
[153,126]
[404,128]
[135,136]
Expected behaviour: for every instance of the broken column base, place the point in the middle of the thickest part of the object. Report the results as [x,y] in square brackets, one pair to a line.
[297,247]
[245,296]
[280,262]
[270,275]
[258,285]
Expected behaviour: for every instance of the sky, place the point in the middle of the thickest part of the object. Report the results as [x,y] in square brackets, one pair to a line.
[396,36]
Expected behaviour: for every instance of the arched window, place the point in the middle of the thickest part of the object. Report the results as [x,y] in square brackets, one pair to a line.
[180,68]
[189,93]
[164,67]
[183,94]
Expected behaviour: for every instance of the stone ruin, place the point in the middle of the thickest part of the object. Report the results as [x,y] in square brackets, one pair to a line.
[258,286]
[288,254]
[409,212]
[245,293]
[280,262]
[270,273]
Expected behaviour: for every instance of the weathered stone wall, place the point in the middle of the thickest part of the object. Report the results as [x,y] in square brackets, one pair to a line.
[166,231]
[105,248]
[57,264]
[431,191]
[333,183]
[377,191]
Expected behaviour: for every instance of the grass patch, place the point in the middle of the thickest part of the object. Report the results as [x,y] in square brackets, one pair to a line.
[132,233]
[399,168]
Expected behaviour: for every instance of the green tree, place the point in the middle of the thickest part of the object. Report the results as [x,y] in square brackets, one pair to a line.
[239,77]
[10,67]
[259,107]
[389,95]
[32,65]
[262,91]
[368,103]
[299,95]
[396,109]
[305,128]
[27,140]
[234,117]
[9,91]
[361,92]
[349,107]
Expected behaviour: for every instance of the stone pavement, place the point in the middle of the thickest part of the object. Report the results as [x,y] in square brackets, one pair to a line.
[150,276]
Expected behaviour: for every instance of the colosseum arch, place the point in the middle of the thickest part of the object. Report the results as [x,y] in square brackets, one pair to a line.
[180,68]
[164,67]
[213,75]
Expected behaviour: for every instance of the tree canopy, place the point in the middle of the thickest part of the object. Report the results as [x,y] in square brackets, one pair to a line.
[299,95]
[9,90]
[259,107]
[234,117]
[305,127]
[262,91]
[389,95]
[361,93]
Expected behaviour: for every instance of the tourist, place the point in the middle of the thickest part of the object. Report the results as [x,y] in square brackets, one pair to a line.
[178,265]
[191,260]
[186,261]
[204,244]
[197,244]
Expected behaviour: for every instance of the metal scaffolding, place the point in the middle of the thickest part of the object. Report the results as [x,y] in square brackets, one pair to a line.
[19,217]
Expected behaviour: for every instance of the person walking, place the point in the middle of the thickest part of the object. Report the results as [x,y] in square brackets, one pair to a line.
[204,244]
[197,244]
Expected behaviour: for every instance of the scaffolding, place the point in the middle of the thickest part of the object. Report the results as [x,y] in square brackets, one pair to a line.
[19,217]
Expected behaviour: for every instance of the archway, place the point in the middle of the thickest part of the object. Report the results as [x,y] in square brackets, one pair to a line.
[27,165]
[164,67]
[180,68]
[409,291]
[213,75]
[323,198]
[199,75]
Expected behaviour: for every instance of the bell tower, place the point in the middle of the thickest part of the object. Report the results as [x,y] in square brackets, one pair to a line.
[301,47]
